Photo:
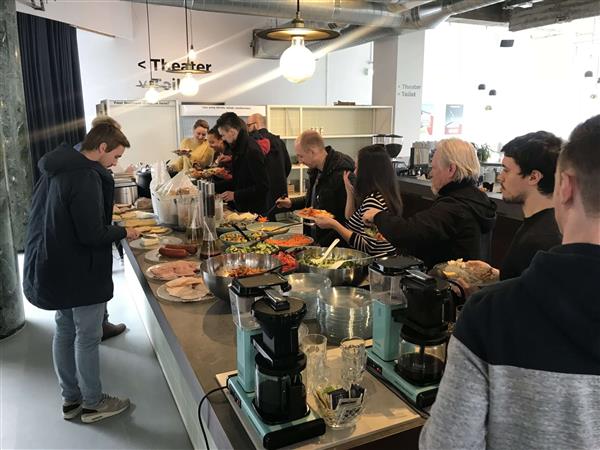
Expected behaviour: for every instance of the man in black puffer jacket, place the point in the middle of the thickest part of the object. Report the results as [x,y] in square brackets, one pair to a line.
[68,263]
[326,182]
[248,189]
[277,159]
[459,222]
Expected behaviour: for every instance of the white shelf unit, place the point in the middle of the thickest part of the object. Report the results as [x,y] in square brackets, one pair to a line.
[345,128]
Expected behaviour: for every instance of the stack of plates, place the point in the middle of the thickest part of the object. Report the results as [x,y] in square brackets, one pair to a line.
[306,286]
[345,312]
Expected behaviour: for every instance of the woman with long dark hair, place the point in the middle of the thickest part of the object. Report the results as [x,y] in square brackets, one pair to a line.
[375,187]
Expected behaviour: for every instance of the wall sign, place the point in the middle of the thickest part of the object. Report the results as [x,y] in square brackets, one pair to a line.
[160,64]
[408,90]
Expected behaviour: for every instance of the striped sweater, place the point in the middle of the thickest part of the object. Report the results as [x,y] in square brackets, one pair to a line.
[523,369]
[360,240]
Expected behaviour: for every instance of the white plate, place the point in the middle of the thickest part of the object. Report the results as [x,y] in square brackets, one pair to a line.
[137,244]
[155,257]
[164,295]
[150,275]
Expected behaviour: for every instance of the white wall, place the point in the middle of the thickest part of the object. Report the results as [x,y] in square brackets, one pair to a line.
[109,65]
[398,79]
[350,75]
[539,81]
[111,17]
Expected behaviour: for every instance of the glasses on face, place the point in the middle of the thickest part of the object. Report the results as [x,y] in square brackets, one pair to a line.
[249,124]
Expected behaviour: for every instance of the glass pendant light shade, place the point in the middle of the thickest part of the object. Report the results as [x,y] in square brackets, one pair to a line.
[192,53]
[188,86]
[297,63]
[152,95]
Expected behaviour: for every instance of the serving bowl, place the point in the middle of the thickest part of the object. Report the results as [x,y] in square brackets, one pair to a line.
[350,276]
[270,228]
[254,237]
[214,270]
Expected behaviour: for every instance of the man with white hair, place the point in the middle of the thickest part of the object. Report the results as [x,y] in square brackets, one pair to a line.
[523,368]
[460,219]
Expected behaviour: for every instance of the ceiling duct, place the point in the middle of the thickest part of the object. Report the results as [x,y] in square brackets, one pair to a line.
[358,21]
[357,12]
[550,12]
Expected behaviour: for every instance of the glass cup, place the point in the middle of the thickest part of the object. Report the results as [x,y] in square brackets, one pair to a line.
[314,347]
[354,360]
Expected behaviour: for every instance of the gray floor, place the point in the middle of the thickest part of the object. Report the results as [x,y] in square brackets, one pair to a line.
[30,403]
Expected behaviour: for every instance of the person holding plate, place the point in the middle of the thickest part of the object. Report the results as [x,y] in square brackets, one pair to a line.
[376,188]
[326,188]
[199,152]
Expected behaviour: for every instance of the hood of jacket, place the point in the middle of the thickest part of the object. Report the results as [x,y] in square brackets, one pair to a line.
[566,274]
[465,192]
[66,159]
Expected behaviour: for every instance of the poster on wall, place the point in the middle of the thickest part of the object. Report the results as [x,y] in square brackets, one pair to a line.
[426,120]
[454,119]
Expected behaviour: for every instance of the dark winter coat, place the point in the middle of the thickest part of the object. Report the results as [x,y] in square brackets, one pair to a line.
[278,164]
[330,192]
[250,183]
[68,251]
[451,228]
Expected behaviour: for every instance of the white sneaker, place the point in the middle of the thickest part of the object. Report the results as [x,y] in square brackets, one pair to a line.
[108,407]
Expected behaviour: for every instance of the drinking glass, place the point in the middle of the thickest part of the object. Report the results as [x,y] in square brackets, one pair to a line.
[314,347]
[354,360]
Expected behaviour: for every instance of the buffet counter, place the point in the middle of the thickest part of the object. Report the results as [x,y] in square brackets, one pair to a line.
[196,341]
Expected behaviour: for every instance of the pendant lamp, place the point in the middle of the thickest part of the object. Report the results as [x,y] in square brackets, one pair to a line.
[188,85]
[297,63]
[152,95]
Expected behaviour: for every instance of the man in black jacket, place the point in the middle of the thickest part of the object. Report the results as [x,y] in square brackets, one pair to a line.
[523,369]
[460,220]
[277,157]
[326,182]
[68,263]
[248,189]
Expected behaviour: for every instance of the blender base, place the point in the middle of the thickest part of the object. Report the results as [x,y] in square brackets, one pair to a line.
[420,397]
[275,436]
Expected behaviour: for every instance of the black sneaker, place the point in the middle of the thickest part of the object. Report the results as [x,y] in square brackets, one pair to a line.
[71,410]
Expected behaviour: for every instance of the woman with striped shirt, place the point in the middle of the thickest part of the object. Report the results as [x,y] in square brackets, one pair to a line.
[375,187]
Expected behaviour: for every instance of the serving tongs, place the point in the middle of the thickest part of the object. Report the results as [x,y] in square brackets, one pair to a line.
[338,264]
[240,231]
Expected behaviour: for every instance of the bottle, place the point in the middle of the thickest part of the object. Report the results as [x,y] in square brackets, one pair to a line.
[194,231]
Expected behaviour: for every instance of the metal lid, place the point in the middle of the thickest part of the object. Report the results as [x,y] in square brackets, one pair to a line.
[395,265]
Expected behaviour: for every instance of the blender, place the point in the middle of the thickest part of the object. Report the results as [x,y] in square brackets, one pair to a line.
[412,313]
[268,386]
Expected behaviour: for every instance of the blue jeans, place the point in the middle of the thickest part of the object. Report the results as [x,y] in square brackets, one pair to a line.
[75,350]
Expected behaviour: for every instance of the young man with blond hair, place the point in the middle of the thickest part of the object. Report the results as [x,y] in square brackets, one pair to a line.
[523,369]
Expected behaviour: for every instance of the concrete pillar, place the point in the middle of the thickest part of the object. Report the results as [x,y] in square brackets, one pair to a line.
[15,171]
[398,81]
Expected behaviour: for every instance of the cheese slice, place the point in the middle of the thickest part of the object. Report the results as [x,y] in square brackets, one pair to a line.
[149,242]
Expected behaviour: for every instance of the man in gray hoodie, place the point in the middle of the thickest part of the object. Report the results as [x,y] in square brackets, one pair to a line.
[523,366]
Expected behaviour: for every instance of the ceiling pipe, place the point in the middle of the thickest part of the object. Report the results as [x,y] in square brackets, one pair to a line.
[356,12]
[422,17]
